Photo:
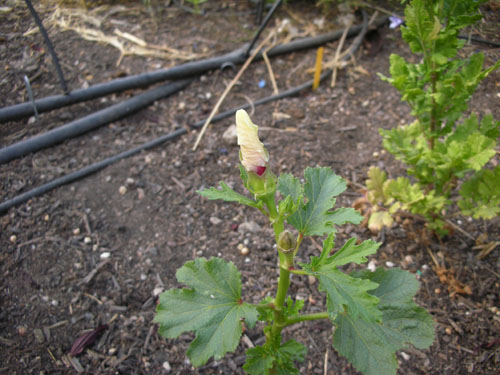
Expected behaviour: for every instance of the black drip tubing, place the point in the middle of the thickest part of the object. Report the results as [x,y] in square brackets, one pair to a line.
[158,141]
[49,103]
[50,47]
[189,69]
[275,6]
[92,121]
[146,146]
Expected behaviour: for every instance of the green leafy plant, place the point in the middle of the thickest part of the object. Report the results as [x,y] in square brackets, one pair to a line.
[441,148]
[196,5]
[373,313]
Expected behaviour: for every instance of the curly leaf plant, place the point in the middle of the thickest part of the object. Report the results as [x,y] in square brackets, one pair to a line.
[442,149]
[373,313]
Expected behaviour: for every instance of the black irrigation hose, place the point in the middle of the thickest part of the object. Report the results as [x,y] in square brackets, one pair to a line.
[49,103]
[269,14]
[146,146]
[156,142]
[478,39]
[87,123]
[189,69]
[55,60]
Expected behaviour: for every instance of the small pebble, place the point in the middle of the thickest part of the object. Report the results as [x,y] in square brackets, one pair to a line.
[246,241]
[54,303]
[140,194]
[248,260]
[157,291]
[76,231]
[105,255]
[389,264]
[130,181]
[448,330]
[143,277]
[166,366]
[376,154]
[13,238]
[437,291]
[46,217]
[39,336]
[199,253]
[122,190]
[249,226]
[181,106]
[371,266]
[405,356]
[409,259]
[21,330]
[311,280]
[215,220]
[108,178]
[240,246]
[111,351]
[87,240]
[229,136]
[244,250]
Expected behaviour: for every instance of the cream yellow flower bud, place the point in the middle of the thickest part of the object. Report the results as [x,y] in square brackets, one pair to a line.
[253,155]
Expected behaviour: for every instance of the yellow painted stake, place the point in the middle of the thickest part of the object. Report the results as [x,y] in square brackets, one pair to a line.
[317,72]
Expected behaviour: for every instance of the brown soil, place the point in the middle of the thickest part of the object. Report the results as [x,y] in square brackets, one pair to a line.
[55,284]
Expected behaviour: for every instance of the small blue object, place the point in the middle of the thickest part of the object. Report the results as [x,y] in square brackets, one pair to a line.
[395,22]
[262,83]
[419,273]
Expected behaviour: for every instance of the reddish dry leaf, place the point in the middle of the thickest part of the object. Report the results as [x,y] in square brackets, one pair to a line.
[86,340]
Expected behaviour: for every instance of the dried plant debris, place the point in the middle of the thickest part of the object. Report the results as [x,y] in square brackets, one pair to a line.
[89,24]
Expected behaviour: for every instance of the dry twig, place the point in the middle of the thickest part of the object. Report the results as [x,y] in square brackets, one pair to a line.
[229,87]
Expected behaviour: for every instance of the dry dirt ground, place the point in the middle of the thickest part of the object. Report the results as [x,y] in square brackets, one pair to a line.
[97,251]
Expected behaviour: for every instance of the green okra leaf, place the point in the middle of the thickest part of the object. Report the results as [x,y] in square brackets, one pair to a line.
[227,194]
[371,346]
[314,216]
[352,253]
[346,293]
[212,308]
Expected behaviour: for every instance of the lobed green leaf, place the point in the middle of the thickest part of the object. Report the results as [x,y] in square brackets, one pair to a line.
[371,346]
[213,308]
[314,217]
[227,194]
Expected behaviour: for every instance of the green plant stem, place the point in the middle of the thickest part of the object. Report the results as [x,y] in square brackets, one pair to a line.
[298,272]
[279,321]
[277,221]
[279,317]
[305,317]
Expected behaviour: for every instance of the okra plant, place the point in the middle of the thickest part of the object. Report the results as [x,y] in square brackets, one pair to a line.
[372,313]
[443,149]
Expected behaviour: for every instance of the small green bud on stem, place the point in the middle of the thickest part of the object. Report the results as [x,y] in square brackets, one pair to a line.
[286,242]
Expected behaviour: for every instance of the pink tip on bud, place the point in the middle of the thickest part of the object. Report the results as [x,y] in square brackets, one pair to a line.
[260,170]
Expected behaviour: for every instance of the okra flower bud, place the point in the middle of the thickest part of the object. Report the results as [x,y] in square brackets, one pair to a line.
[253,155]
[254,158]
[286,242]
